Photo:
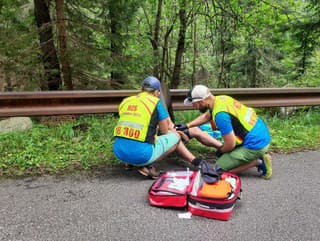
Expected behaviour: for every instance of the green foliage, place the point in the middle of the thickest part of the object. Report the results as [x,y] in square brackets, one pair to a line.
[311,77]
[185,116]
[70,147]
[18,46]
[228,43]
[59,148]
[298,132]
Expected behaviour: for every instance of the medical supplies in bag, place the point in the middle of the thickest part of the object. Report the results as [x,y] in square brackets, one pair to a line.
[215,200]
[171,189]
[189,189]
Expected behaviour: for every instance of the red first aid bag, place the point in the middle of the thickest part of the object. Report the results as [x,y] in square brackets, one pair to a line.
[171,189]
[215,200]
[188,189]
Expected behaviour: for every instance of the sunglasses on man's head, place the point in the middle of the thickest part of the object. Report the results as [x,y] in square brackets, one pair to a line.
[190,98]
[194,98]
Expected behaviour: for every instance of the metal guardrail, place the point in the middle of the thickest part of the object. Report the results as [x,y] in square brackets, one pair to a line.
[107,101]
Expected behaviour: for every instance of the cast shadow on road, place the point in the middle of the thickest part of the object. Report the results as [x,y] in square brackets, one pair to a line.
[168,164]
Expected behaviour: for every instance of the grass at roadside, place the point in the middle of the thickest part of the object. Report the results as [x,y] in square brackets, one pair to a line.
[87,142]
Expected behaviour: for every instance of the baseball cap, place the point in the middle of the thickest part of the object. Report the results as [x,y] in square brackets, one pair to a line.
[151,83]
[197,93]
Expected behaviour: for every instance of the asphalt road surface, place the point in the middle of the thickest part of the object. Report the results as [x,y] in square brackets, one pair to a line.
[111,204]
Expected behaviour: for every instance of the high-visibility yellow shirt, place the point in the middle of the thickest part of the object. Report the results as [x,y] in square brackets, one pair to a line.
[136,115]
[243,117]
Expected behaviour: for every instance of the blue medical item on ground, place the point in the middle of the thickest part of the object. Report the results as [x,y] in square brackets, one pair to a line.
[207,128]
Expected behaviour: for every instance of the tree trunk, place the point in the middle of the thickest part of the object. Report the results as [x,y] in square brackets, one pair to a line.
[48,50]
[165,91]
[304,47]
[117,76]
[225,48]
[221,75]
[155,41]
[180,49]
[64,56]
[194,61]
[163,69]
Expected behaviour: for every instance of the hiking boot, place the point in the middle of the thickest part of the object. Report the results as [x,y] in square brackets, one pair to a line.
[265,168]
[149,171]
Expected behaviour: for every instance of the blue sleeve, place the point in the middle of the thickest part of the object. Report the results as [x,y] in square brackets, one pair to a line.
[223,122]
[162,112]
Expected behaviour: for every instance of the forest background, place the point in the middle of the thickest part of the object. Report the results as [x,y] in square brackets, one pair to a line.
[115,44]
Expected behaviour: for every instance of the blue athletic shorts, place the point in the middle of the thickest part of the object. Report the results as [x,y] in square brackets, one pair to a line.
[162,145]
[142,153]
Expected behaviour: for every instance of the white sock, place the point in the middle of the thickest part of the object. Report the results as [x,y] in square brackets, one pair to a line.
[259,161]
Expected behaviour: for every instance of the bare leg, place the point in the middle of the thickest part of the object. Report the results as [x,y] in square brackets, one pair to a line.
[244,167]
[204,137]
[168,152]
[184,137]
[183,151]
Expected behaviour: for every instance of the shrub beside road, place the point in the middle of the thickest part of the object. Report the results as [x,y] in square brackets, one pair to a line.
[86,143]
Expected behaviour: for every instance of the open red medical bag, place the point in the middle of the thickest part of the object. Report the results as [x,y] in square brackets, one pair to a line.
[188,189]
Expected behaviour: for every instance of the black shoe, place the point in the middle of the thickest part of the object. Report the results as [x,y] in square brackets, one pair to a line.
[128,167]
